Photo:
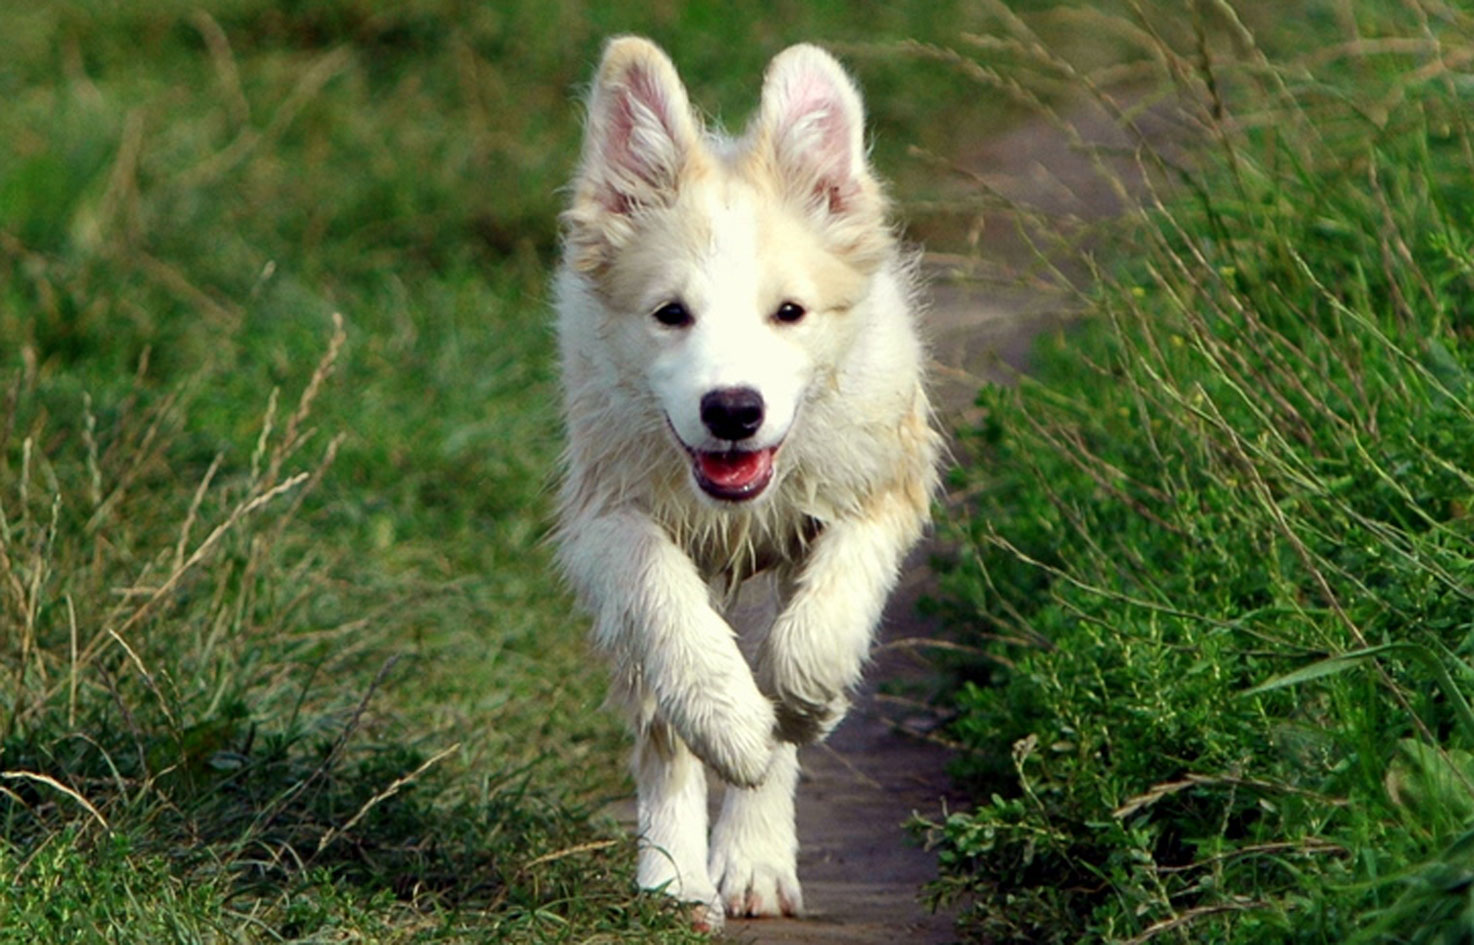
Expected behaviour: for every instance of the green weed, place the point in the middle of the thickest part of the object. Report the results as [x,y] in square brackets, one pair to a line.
[1223,533]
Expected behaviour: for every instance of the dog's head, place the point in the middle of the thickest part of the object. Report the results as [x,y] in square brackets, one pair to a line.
[726,271]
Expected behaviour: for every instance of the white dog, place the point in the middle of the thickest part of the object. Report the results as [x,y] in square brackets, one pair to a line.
[743,393]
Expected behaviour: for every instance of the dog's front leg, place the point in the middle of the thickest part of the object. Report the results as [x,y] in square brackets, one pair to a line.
[653,614]
[812,657]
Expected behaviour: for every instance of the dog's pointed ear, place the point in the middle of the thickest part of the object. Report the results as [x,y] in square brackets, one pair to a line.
[641,131]
[811,125]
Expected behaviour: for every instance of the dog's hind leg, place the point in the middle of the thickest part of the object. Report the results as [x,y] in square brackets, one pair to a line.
[754,846]
[672,821]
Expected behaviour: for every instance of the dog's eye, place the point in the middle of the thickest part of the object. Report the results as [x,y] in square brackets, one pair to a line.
[673,315]
[789,312]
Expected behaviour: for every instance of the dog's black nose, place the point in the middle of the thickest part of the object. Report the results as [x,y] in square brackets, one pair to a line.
[732,413]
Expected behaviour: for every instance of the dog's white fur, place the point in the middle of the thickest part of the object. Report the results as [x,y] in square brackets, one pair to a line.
[731,229]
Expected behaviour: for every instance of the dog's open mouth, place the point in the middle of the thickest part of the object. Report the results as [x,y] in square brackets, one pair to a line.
[736,475]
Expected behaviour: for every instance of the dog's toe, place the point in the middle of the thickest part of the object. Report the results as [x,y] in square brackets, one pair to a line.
[707,916]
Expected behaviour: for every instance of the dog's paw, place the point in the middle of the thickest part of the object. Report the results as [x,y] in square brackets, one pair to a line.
[737,743]
[803,721]
[707,917]
[691,888]
[755,882]
[707,914]
[811,695]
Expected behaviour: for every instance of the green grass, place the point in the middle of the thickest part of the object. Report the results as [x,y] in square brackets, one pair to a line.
[281,654]
[1217,555]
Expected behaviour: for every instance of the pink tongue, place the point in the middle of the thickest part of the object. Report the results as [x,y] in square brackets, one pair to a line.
[735,470]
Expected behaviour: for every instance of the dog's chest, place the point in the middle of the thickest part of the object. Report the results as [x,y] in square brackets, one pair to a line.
[730,547]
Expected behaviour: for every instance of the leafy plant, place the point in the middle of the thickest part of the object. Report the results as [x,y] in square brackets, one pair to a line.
[1218,546]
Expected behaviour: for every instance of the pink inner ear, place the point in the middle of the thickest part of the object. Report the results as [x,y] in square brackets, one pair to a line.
[836,182]
[639,139]
[816,136]
[617,154]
